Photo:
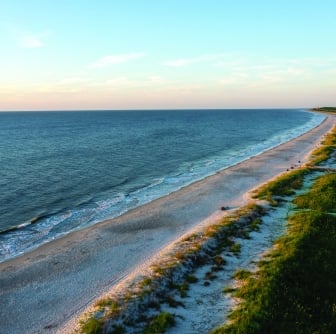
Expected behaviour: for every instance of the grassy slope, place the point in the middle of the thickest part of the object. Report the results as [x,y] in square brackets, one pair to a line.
[294,290]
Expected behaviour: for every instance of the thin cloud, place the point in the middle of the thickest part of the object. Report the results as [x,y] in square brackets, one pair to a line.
[125,81]
[25,38]
[30,40]
[178,62]
[74,80]
[117,59]
[194,60]
[239,78]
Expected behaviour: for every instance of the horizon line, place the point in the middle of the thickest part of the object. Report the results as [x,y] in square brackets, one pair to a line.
[154,109]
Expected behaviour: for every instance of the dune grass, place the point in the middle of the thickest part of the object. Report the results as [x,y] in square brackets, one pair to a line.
[321,154]
[91,326]
[321,197]
[294,290]
[324,152]
[288,183]
[330,138]
[285,185]
[160,323]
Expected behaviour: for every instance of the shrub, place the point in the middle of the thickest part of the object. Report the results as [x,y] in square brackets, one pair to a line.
[255,224]
[191,278]
[229,289]
[183,290]
[321,197]
[160,323]
[91,326]
[283,186]
[117,330]
[242,274]
[322,154]
[235,248]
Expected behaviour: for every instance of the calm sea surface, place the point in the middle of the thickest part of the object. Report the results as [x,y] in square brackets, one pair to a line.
[61,171]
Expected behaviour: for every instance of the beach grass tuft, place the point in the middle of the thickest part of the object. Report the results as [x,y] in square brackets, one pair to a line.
[235,248]
[325,151]
[285,185]
[321,154]
[91,326]
[160,324]
[191,278]
[242,274]
[321,197]
[229,289]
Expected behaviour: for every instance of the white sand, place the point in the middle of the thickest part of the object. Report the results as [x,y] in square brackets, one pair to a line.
[207,307]
[46,289]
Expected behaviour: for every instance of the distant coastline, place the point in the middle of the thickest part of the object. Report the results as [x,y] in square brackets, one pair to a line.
[328,110]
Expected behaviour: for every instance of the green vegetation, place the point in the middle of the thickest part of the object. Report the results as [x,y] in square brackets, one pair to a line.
[146,282]
[107,302]
[183,290]
[91,326]
[159,324]
[242,274]
[117,330]
[321,197]
[285,185]
[235,248]
[321,154]
[330,138]
[331,110]
[294,290]
[229,289]
[325,151]
[219,261]
[255,225]
[191,278]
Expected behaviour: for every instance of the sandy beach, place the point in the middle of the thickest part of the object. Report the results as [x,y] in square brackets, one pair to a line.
[44,290]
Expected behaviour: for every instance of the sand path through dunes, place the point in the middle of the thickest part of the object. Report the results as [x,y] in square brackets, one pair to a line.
[42,290]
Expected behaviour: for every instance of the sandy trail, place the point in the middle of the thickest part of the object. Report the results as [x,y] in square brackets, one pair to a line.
[43,290]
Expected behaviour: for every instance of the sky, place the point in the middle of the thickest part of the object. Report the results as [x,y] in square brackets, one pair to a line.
[162,54]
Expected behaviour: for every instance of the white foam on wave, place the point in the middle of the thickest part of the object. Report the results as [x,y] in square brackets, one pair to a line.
[19,241]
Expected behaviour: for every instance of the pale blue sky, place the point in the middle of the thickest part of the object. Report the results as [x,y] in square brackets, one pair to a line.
[100,54]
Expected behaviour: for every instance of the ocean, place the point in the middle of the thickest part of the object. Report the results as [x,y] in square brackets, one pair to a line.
[63,171]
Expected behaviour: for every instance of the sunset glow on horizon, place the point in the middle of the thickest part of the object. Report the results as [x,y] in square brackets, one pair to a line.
[150,54]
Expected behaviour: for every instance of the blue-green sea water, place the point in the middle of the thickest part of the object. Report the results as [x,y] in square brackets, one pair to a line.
[61,171]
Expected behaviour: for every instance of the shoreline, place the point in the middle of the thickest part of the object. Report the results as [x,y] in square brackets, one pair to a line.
[46,238]
[55,274]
